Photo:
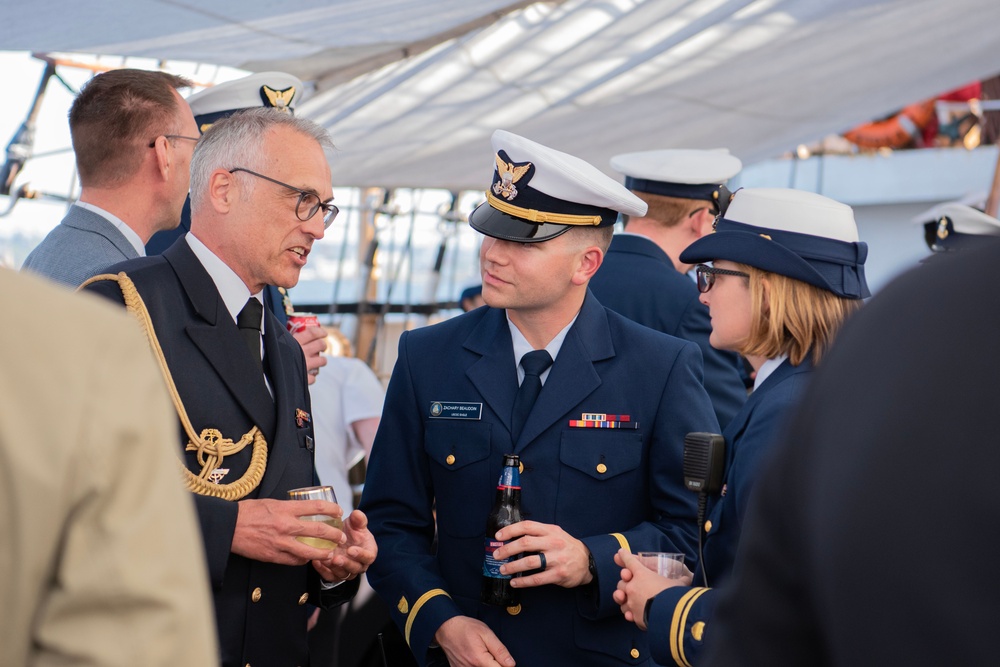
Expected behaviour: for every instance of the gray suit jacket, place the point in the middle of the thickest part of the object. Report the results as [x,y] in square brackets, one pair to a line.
[82,245]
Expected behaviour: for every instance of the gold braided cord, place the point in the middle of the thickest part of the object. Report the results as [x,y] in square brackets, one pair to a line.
[212,448]
[540,217]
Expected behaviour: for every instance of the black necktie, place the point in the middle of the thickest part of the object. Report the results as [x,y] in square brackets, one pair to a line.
[534,364]
[249,323]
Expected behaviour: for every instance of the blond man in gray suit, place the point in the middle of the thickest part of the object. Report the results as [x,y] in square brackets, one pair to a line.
[100,555]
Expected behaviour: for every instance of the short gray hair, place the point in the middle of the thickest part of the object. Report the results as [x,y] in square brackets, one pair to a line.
[238,141]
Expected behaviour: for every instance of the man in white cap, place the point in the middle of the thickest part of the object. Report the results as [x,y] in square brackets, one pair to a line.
[642,276]
[595,406]
[956,225]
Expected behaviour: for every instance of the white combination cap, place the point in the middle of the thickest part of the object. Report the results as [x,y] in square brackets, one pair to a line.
[539,193]
[683,173]
[264,89]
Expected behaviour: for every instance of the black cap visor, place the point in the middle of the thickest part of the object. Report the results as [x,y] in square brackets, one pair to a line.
[491,222]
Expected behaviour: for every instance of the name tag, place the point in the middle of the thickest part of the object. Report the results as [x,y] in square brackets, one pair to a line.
[456,410]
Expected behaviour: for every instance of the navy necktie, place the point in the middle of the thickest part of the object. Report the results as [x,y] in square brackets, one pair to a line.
[248,322]
[534,364]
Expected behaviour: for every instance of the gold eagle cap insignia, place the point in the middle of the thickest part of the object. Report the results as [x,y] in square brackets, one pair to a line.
[279,99]
[942,230]
[509,175]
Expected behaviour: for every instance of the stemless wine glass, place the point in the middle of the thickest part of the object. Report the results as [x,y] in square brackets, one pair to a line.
[317,493]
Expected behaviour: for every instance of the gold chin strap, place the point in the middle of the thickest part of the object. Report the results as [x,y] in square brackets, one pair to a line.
[540,217]
[212,448]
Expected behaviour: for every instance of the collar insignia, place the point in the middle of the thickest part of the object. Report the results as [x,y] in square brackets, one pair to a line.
[509,173]
[279,99]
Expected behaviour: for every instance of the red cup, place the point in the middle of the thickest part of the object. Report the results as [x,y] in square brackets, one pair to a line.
[300,321]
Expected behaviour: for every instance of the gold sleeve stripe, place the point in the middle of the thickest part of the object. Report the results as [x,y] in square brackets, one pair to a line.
[679,623]
[434,592]
[621,541]
[540,217]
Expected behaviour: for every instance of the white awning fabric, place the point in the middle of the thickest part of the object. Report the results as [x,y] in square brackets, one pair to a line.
[589,77]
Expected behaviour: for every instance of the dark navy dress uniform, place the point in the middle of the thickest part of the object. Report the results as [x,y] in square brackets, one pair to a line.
[447,425]
[638,280]
[259,606]
[872,538]
[680,617]
[611,488]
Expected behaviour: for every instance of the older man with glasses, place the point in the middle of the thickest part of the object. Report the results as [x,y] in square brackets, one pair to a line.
[133,135]
[260,197]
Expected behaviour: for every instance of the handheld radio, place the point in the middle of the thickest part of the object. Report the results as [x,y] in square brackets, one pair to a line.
[704,465]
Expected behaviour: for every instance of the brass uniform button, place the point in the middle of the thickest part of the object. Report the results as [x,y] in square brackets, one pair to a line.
[697,630]
[515,610]
[634,653]
[304,598]
[601,468]
[520,467]
[708,526]
[450,460]
[255,596]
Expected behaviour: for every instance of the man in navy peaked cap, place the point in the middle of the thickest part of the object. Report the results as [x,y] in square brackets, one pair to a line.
[595,405]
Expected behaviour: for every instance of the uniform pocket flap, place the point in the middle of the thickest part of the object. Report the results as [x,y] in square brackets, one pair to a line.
[601,453]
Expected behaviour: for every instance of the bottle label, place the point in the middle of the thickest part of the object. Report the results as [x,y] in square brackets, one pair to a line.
[510,478]
[491,566]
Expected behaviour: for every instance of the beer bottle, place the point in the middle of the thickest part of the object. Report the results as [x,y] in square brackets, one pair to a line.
[506,510]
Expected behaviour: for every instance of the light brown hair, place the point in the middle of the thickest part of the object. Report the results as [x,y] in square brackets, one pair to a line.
[792,317]
[668,211]
[114,118]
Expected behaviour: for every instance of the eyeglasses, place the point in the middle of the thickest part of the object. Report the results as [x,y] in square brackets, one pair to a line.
[706,276]
[152,144]
[308,203]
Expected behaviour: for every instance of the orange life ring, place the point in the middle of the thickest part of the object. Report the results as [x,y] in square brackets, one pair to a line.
[895,132]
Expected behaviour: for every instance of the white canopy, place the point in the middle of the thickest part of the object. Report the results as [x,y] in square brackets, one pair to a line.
[589,77]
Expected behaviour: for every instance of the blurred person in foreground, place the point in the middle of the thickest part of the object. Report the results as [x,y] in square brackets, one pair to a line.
[643,277]
[133,137]
[870,541]
[595,405]
[101,560]
[787,270]
[261,195]
[270,90]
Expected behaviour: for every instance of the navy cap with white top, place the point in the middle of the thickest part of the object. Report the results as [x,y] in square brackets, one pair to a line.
[797,234]
[539,193]
[681,173]
[263,89]
[954,225]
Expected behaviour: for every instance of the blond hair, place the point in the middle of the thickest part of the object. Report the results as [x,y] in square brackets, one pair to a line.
[792,317]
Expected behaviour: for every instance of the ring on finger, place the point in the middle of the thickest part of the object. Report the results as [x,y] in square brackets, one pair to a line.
[541,560]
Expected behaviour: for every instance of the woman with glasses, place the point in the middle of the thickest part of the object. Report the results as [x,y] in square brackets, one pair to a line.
[786,270]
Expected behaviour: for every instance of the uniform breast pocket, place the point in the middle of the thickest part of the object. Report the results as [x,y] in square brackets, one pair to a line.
[598,463]
[459,454]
